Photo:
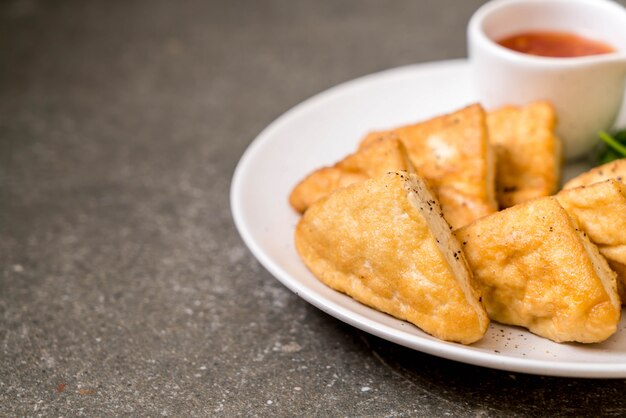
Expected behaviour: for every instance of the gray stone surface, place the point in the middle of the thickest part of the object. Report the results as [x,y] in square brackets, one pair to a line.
[125,288]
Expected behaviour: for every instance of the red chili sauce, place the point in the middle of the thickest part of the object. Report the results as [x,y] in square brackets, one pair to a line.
[554,44]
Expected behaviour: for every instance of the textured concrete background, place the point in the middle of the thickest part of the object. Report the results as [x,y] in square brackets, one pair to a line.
[124,286]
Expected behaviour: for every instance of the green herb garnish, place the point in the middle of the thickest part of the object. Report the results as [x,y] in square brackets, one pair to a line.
[614,147]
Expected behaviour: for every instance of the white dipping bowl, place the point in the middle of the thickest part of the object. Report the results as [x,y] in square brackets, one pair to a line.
[586,92]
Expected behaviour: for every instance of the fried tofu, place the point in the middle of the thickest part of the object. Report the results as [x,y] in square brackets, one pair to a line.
[528,153]
[384,242]
[452,153]
[377,159]
[612,170]
[537,270]
[600,210]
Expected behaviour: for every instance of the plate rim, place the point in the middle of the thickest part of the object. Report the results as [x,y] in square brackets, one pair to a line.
[439,348]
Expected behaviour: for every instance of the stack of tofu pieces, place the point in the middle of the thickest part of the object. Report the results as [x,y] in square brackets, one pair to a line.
[452,222]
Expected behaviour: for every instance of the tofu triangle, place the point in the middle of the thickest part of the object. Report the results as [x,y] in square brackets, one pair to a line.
[453,154]
[538,270]
[385,243]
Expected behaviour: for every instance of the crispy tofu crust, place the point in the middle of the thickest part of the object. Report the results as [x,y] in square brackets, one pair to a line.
[537,270]
[600,210]
[528,153]
[385,243]
[613,170]
[377,159]
[452,153]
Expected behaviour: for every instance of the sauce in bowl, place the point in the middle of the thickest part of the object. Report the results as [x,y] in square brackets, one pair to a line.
[554,44]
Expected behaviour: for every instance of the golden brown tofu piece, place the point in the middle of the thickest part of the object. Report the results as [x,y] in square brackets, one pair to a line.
[528,153]
[600,210]
[537,270]
[385,243]
[612,170]
[452,153]
[377,159]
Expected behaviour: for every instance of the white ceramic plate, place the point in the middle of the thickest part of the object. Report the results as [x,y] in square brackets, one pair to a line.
[324,129]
